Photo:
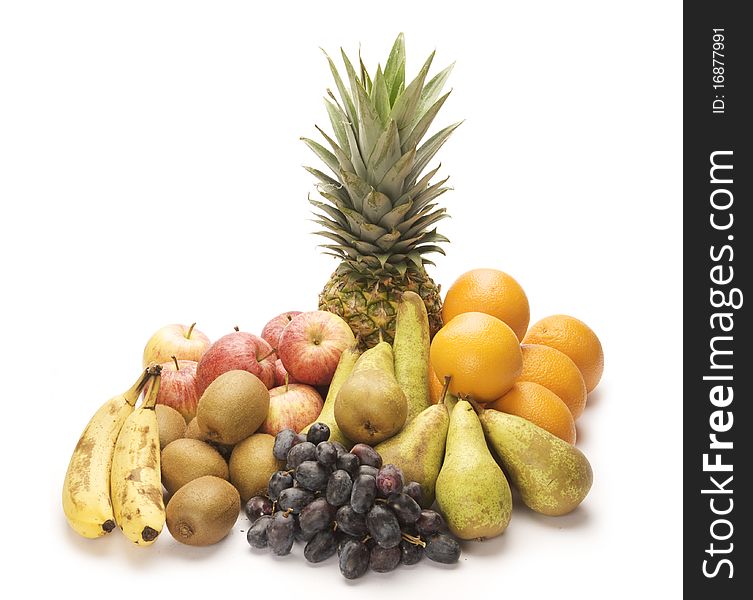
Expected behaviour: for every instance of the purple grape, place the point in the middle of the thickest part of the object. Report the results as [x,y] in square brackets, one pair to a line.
[326,454]
[350,463]
[363,493]
[312,475]
[318,432]
[257,507]
[257,533]
[430,522]
[294,499]
[413,489]
[321,546]
[350,523]
[340,449]
[389,480]
[405,508]
[443,549]
[410,553]
[280,533]
[339,487]
[278,481]
[384,560]
[284,441]
[300,453]
[368,470]
[354,559]
[315,516]
[383,526]
[367,455]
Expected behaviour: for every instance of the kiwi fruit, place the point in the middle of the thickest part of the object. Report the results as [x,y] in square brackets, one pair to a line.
[184,460]
[193,432]
[252,464]
[170,423]
[232,407]
[203,511]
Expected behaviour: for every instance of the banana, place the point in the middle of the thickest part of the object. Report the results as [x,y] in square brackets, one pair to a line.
[86,489]
[411,349]
[135,481]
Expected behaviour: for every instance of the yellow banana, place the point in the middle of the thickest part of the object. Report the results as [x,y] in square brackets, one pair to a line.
[86,489]
[136,485]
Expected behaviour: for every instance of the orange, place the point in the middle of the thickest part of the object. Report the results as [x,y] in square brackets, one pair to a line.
[435,386]
[540,406]
[557,373]
[492,292]
[574,338]
[480,353]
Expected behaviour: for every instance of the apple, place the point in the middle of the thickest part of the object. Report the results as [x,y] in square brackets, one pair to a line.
[281,375]
[177,387]
[273,329]
[237,350]
[183,342]
[291,406]
[311,345]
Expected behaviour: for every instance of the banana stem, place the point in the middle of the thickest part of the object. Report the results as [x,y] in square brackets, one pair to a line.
[151,400]
[190,330]
[132,395]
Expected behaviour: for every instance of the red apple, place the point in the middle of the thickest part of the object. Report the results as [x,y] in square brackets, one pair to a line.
[237,350]
[311,344]
[183,342]
[281,375]
[291,406]
[273,329]
[178,387]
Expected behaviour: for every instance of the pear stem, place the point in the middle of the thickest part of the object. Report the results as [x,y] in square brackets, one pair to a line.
[476,406]
[445,387]
[190,330]
[175,360]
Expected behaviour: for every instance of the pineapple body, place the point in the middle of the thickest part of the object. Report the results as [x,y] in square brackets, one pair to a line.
[377,205]
[369,305]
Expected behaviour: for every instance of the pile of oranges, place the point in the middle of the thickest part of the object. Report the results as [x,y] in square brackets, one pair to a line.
[543,373]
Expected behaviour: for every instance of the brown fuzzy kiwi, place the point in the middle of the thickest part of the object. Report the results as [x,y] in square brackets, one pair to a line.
[232,407]
[193,432]
[203,511]
[252,464]
[185,460]
[170,423]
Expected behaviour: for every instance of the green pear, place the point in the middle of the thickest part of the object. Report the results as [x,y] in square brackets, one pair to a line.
[472,492]
[553,477]
[327,416]
[370,406]
[419,448]
[411,348]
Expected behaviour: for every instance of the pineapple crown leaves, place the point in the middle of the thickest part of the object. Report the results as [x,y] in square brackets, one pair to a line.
[377,208]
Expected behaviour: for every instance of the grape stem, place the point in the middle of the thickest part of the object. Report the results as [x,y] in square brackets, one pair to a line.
[416,541]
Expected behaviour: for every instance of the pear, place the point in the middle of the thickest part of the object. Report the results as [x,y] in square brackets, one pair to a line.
[419,448]
[553,477]
[471,489]
[411,349]
[371,406]
[344,368]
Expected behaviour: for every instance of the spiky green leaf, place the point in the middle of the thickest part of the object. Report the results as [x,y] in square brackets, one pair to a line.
[429,149]
[388,240]
[325,155]
[418,187]
[381,97]
[429,194]
[419,130]
[431,92]
[395,60]
[347,100]
[392,182]
[404,109]
[357,188]
[393,218]
[375,206]
[339,121]
[342,158]
[386,153]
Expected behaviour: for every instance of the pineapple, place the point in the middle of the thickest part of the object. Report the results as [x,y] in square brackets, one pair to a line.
[378,211]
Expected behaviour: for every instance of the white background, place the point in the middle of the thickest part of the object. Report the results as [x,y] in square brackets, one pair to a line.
[150,173]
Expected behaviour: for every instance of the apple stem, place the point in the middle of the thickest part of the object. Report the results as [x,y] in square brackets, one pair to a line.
[445,387]
[190,330]
[237,328]
[267,355]
[286,382]
[175,360]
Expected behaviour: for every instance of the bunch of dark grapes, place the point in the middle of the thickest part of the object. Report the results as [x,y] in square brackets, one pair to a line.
[345,503]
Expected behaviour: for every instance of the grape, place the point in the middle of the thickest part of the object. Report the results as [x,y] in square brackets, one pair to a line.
[315,516]
[349,462]
[383,526]
[350,522]
[280,533]
[405,508]
[430,522]
[257,507]
[340,449]
[338,488]
[443,549]
[363,493]
[413,489]
[321,547]
[278,481]
[410,553]
[368,470]
[318,432]
[301,452]
[299,534]
[389,480]
[257,533]
[343,539]
[312,476]
[383,560]
[367,455]
[284,441]
[294,499]
[326,454]
[354,559]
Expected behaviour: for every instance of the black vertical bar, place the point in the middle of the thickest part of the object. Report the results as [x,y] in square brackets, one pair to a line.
[718,338]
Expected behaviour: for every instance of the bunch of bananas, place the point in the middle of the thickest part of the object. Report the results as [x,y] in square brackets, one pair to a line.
[113,477]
